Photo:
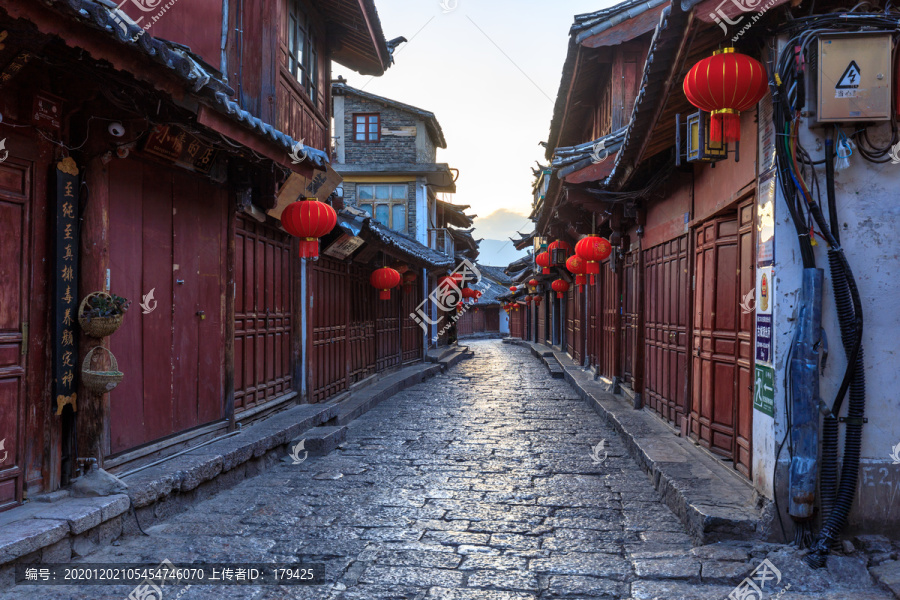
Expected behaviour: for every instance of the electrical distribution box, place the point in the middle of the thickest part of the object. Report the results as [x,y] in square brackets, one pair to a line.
[853,78]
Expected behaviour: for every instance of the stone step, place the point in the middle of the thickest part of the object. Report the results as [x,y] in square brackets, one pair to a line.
[319,441]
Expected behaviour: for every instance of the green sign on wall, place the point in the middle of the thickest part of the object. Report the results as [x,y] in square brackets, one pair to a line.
[764,390]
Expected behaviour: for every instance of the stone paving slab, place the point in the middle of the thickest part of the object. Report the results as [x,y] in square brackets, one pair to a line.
[479,484]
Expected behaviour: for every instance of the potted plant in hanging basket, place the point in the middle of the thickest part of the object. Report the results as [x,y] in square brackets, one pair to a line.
[100,382]
[101,314]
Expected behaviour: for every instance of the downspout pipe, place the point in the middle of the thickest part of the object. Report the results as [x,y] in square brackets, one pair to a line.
[805,399]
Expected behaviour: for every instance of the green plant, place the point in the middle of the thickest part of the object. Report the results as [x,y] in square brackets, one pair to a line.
[100,306]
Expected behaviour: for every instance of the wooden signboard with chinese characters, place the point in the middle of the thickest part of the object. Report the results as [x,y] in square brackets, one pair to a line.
[172,144]
[65,290]
[323,182]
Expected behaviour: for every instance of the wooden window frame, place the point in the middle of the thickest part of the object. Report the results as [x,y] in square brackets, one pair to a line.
[390,203]
[366,116]
[305,70]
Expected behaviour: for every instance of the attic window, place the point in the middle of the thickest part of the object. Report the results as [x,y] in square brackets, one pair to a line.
[303,56]
[367,127]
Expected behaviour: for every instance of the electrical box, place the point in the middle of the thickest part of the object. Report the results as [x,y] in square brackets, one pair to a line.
[853,75]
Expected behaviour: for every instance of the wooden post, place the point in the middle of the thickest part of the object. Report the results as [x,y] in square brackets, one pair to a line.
[230,291]
[92,417]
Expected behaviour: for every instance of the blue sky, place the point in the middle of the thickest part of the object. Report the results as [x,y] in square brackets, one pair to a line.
[490,71]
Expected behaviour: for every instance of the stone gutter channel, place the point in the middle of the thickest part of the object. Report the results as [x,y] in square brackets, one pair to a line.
[56,527]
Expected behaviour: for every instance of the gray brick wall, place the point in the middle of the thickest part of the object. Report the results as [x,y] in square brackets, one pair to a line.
[391,148]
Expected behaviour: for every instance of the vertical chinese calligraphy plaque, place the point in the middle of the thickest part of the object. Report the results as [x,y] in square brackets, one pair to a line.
[65,290]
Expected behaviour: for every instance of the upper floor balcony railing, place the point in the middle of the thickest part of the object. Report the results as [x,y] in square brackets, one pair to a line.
[442,241]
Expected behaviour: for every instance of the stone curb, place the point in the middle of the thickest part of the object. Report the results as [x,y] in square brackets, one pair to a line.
[712,504]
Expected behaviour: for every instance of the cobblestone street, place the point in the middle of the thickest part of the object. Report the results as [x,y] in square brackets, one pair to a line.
[477,484]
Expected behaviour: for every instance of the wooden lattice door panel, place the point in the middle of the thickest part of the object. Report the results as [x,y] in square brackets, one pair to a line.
[667,302]
[715,335]
[629,322]
[328,324]
[361,348]
[412,341]
[610,307]
[387,331]
[743,452]
[262,313]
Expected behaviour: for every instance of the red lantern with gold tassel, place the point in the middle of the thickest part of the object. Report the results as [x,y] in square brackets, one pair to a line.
[533,283]
[725,84]
[385,280]
[560,286]
[543,261]
[592,249]
[308,220]
[576,266]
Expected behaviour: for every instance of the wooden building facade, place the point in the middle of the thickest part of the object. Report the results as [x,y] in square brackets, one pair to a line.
[166,166]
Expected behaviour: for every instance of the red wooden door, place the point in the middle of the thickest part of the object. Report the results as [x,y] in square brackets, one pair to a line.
[666,302]
[628,343]
[578,327]
[715,335]
[478,321]
[594,311]
[167,231]
[745,360]
[491,319]
[328,294]
[361,332]
[542,321]
[15,206]
[570,321]
[263,275]
[387,331]
[610,325]
[412,333]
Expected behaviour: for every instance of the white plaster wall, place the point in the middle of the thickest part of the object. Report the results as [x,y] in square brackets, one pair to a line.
[868,207]
[422,214]
[504,322]
[338,129]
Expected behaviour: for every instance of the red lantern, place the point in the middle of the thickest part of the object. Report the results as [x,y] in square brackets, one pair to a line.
[512,288]
[470,294]
[559,251]
[409,278]
[543,260]
[533,283]
[538,300]
[576,267]
[385,280]
[725,84]
[308,220]
[560,286]
[592,249]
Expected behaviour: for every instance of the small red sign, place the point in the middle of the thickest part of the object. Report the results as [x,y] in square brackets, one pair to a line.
[47,111]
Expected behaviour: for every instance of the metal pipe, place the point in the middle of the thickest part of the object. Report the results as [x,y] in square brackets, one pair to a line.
[177,454]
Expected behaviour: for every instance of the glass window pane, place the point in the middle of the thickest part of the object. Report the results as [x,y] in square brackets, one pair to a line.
[382,192]
[382,215]
[367,208]
[398,192]
[399,216]
[373,119]
[373,137]
[364,192]
[360,128]
[373,128]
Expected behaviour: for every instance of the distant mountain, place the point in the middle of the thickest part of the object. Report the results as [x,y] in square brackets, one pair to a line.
[498,252]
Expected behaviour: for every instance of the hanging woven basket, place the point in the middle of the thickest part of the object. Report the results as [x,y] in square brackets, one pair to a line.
[98,327]
[100,382]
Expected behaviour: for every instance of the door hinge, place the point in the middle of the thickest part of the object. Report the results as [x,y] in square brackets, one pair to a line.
[24,338]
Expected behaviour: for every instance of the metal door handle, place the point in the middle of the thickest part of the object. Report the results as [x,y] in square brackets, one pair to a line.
[201,314]
[179,281]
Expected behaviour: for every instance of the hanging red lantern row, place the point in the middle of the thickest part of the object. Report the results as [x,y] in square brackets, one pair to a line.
[560,286]
[543,261]
[385,280]
[470,294]
[308,219]
[592,250]
[576,267]
[725,84]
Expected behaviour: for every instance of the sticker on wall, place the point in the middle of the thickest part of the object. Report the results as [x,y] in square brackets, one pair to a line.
[765,288]
[764,390]
[765,221]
